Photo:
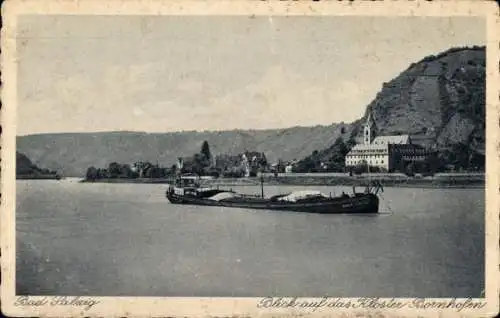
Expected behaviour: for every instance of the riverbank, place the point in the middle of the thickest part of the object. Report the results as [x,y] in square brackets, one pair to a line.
[438,181]
[129,180]
[357,181]
[38,177]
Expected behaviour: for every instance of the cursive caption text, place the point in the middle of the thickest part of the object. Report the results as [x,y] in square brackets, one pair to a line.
[83,302]
[370,303]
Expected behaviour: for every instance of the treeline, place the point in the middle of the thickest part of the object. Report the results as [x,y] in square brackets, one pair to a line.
[329,160]
[202,163]
[249,163]
[460,157]
[126,171]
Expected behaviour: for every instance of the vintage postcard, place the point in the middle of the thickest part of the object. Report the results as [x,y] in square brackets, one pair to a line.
[250,158]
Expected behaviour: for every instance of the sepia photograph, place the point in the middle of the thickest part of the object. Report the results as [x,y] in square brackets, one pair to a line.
[267,156]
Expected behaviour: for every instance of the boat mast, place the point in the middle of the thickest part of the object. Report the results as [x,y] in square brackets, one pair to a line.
[369,179]
[262,186]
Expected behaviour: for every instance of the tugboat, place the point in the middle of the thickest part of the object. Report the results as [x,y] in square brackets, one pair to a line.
[187,190]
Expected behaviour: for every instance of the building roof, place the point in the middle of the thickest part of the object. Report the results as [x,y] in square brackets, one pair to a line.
[369,147]
[382,143]
[397,139]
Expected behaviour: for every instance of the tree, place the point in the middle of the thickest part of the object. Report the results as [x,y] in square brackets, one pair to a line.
[200,161]
[462,155]
[341,146]
[212,172]
[336,160]
[205,150]
[433,163]
[102,173]
[126,171]
[173,169]
[92,173]
[156,172]
[351,142]
[234,172]
[410,169]
[360,168]
[114,170]
[263,161]
[477,161]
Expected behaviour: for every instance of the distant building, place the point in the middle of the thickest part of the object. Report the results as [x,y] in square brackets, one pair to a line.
[180,163]
[388,153]
[246,165]
[185,164]
[141,167]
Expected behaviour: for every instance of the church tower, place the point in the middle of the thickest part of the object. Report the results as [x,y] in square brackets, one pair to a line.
[369,131]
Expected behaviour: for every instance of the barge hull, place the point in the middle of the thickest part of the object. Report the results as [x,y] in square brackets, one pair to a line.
[362,203]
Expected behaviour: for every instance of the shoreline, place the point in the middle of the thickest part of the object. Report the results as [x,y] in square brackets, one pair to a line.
[38,177]
[461,182]
[126,180]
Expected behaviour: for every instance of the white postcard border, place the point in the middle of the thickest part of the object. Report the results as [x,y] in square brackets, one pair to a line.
[239,307]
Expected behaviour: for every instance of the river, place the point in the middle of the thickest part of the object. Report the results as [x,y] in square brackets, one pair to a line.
[127,240]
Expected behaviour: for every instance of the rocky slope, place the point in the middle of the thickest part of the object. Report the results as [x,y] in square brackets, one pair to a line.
[440,101]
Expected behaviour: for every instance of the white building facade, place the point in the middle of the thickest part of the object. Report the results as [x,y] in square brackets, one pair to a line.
[384,152]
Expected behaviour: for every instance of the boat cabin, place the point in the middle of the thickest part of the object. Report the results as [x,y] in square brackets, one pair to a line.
[188,181]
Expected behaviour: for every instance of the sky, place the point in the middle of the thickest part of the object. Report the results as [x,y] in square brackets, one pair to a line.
[180,73]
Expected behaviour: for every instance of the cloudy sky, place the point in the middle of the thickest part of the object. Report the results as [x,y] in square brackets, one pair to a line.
[159,74]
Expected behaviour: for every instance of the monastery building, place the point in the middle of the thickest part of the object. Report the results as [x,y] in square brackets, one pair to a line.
[385,152]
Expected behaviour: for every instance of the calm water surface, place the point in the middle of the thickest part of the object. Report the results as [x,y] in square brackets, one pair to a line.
[127,240]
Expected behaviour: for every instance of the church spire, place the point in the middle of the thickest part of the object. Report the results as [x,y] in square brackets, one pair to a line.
[369,119]
[369,130]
